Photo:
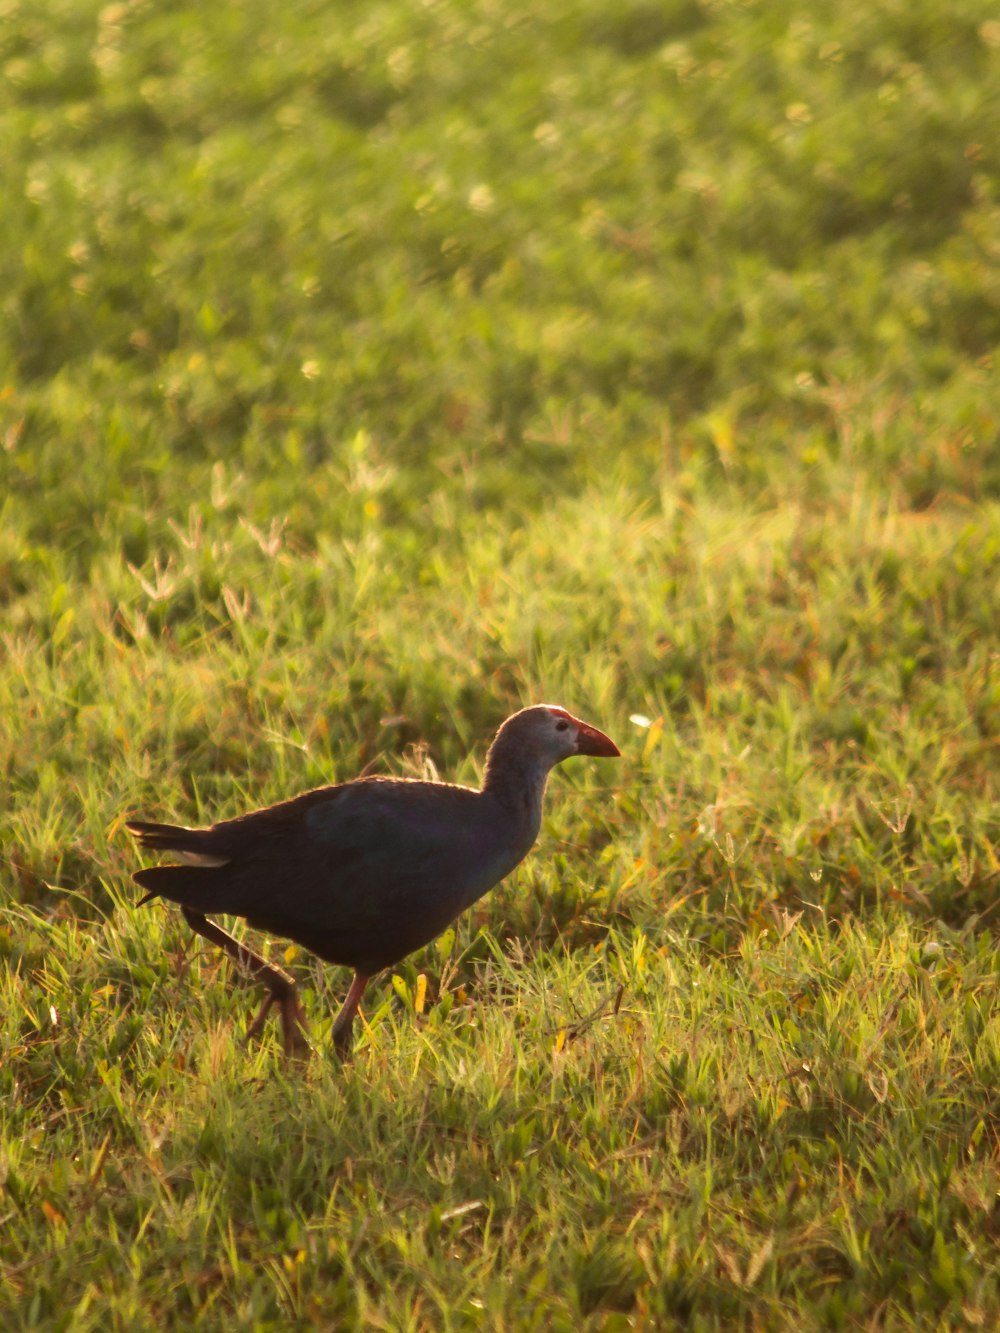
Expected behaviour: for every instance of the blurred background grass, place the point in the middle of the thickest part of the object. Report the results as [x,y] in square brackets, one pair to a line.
[416,363]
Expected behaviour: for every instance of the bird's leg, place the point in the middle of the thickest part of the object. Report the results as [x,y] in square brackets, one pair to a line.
[282,989]
[345,1019]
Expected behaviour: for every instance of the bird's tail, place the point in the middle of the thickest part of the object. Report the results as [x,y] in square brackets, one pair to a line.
[191,846]
[164,837]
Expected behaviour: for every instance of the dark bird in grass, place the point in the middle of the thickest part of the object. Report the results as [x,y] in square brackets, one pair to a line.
[364,872]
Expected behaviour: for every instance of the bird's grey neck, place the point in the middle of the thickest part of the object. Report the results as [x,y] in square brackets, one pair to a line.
[517,785]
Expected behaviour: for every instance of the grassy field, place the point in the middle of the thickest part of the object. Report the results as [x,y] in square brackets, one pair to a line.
[366,371]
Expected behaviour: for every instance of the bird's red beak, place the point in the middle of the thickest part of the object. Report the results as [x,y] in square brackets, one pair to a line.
[592,741]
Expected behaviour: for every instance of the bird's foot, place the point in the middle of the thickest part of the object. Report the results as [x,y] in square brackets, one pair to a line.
[293,1021]
[281,987]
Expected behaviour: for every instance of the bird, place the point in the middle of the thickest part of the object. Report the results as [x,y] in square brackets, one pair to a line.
[363,873]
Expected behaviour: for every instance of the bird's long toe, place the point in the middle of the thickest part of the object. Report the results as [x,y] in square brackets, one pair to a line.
[294,1028]
[257,1026]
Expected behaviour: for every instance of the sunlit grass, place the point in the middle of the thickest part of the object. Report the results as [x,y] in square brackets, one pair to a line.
[368,372]
[648,1131]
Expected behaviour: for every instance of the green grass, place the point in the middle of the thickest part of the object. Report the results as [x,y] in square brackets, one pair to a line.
[740,1140]
[367,371]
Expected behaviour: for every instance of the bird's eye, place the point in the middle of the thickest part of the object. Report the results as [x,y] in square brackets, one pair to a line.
[562,726]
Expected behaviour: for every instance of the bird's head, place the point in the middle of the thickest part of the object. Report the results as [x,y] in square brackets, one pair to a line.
[548,734]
